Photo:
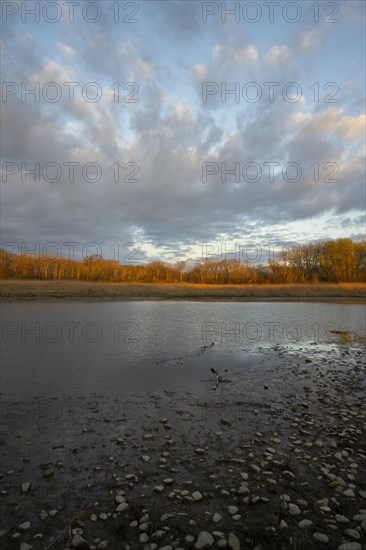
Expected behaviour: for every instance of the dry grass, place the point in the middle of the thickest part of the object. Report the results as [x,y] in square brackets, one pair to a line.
[32,289]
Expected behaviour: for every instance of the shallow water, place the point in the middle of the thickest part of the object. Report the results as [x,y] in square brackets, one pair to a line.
[53,349]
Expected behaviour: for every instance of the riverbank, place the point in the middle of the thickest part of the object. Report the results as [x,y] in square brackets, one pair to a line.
[63,290]
[273,458]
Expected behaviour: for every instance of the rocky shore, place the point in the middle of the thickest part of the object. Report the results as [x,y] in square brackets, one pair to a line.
[271,459]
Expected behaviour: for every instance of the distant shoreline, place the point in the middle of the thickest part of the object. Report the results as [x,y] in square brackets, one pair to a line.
[84,290]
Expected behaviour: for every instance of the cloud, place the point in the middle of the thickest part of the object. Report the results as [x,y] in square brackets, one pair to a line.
[170,132]
[235,54]
[277,54]
[145,69]
[353,127]
[68,50]
[200,70]
[309,39]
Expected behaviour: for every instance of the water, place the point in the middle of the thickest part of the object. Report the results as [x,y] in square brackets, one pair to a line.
[53,348]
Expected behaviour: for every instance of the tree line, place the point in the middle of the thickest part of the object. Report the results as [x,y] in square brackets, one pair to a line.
[337,261]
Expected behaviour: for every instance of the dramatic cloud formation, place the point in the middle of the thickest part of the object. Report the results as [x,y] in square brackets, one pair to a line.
[153,126]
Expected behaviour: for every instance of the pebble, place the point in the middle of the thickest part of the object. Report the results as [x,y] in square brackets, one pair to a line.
[25,525]
[288,475]
[294,510]
[305,523]
[352,534]
[320,537]
[26,546]
[232,510]
[205,540]
[25,486]
[79,542]
[350,546]
[200,451]
[216,517]
[233,542]
[122,507]
[341,519]
[197,496]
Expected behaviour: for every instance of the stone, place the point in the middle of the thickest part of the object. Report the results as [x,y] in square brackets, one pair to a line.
[216,517]
[25,486]
[26,546]
[25,525]
[320,537]
[341,519]
[293,509]
[197,496]
[205,540]
[232,510]
[144,537]
[350,546]
[103,545]
[352,534]
[122,507]
[305,523]
[288,475]
[233,542]
[80,543]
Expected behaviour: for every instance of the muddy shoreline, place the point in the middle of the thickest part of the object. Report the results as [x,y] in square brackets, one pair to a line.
[273,458]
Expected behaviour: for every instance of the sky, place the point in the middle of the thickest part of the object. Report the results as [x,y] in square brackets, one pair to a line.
[173,130]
